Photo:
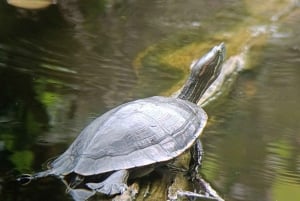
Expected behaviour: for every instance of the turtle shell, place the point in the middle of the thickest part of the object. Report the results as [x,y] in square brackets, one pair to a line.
[135,134]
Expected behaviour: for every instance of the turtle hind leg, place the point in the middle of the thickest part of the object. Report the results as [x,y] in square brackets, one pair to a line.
[25,179]
[114,184]
[73,180]
[80,194]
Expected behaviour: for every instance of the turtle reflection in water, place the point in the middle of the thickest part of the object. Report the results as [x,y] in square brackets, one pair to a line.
[143,133]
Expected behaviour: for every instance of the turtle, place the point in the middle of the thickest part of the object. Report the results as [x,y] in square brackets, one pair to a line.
[134,135]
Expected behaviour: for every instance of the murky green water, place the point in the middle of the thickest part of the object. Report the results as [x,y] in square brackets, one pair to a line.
[62,66]
[252,151]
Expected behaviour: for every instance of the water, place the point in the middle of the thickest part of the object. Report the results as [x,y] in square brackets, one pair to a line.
[253,148]
[62,66]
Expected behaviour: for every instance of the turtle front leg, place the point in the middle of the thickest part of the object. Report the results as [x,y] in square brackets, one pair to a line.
[202,189]
[200,185]
[114,184]
[196,159]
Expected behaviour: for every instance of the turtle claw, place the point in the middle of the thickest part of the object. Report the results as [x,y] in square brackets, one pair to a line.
[24,179]
[192,195]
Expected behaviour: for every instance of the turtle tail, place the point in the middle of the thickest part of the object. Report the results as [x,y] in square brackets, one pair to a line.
[25,179]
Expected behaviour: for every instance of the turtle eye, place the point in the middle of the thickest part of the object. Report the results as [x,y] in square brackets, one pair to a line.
[193,63]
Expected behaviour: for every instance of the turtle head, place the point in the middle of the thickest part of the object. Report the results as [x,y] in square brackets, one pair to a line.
[208,67]
[204,72]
